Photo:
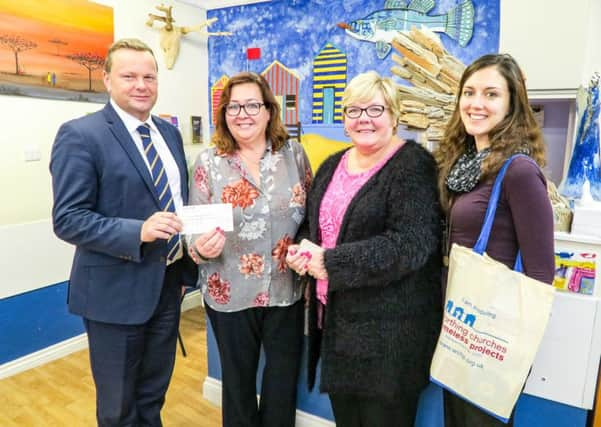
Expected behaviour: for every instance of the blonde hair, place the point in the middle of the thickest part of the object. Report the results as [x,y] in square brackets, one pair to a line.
[132,44]
[366,86]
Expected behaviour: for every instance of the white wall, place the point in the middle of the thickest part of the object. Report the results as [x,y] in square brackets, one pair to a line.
[556,42]
[592,61]
[32,123]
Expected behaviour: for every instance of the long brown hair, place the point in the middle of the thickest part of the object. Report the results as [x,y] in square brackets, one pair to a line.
[275,131]
[518,131]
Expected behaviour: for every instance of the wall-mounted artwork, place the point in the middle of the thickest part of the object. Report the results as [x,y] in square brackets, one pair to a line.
[216,91]
[294,33]
[381,26]
[54,49]
[329,82]
[284,84]
[584,164]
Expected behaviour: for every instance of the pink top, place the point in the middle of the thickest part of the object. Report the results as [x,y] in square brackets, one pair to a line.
[341,190]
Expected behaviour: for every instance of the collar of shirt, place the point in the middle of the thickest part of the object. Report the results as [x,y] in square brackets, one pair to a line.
[131,123]
[235,160]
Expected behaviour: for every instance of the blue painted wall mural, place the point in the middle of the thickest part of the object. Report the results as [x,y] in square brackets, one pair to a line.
[294,32]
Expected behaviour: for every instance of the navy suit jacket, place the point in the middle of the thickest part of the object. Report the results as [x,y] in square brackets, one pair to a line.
[103,192]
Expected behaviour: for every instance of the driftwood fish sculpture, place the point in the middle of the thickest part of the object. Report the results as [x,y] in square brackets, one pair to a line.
[380,27]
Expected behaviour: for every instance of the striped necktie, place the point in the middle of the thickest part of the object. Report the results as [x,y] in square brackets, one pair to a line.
[161,185]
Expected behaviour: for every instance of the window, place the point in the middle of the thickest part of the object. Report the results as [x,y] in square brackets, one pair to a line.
[290,102]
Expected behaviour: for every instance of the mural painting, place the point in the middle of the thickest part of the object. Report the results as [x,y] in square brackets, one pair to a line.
[216,91]
[380,27]
[299,33]
[284,84]
[54,49]
[329,82]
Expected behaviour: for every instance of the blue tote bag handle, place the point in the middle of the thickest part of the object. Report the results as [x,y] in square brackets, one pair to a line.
[489,217]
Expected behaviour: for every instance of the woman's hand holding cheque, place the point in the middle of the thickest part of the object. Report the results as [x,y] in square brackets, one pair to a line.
[307,258]
[208,245]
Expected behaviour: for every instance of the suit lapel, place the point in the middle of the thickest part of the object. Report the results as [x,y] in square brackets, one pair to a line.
[124,138]
[176,151]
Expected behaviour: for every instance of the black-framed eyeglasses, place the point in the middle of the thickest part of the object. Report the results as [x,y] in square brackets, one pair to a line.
[372,111]
[250,108]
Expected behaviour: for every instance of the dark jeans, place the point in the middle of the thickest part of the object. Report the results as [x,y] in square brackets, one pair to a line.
[239,337]
[355,411]
[132,364]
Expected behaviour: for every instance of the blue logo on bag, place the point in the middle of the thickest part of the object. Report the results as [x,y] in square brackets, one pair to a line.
[459,313]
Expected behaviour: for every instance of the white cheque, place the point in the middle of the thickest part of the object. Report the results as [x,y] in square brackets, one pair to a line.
[202,218]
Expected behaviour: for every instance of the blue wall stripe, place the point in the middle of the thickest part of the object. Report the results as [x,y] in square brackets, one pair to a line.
[35,320]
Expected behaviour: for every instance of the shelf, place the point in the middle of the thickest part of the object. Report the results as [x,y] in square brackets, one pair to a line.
[577,238]
[550,94]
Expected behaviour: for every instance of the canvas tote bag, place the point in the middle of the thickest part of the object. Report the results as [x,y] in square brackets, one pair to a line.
[494,321]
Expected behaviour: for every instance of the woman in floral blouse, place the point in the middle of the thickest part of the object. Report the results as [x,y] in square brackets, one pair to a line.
[250,294]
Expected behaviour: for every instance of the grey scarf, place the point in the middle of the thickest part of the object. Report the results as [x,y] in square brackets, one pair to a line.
[465,173]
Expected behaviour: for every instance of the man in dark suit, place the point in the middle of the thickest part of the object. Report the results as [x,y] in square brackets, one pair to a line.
[118,176]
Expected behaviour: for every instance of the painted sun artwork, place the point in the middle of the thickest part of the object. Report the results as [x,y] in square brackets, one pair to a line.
[54,49]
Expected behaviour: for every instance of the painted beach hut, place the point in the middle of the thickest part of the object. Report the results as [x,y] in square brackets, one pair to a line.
[285,86]
[216,91]
[329,81]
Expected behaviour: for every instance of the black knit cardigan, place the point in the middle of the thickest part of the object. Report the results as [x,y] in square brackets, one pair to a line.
[384,303]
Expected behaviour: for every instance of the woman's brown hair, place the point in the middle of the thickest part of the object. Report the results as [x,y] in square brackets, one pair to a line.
[517,132]
[275,132]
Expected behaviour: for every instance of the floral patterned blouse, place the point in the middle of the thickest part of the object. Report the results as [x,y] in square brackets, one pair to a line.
[251,271]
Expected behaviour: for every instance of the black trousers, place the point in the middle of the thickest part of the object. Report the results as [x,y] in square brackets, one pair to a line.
[132,364]
[239,337]
[460,413]
[358,411]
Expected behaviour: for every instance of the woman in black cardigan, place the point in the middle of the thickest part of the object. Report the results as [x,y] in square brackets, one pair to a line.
[375,303]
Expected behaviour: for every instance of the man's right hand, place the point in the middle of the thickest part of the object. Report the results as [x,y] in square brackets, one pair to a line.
[160,225]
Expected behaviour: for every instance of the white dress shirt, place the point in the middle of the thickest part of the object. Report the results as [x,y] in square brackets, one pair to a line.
[173,174]
[171,169]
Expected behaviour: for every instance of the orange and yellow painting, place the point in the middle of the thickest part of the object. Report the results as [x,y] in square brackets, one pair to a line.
[54,49]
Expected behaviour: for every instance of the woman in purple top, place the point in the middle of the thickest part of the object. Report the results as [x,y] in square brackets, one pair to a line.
[374,303]
[492,121]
